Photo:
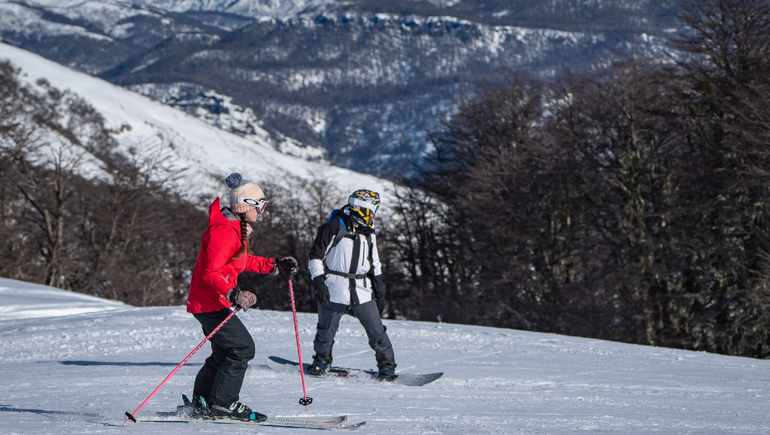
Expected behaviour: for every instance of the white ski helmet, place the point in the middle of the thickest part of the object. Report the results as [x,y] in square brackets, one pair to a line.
[364,204]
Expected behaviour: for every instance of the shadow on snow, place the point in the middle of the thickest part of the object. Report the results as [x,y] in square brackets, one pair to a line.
[124,364]
[6,408]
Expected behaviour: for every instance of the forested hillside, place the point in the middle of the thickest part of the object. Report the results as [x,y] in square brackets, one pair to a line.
[630,203]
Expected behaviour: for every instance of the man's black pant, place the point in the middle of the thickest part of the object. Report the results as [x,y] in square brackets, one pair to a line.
[329,315]
[220,379]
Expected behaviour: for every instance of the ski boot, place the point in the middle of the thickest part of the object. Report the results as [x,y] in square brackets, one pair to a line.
[185,410]
[387,371]
[320,365]
[197,409]
[237,411]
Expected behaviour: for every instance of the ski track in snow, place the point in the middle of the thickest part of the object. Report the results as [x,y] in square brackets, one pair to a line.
[78,373]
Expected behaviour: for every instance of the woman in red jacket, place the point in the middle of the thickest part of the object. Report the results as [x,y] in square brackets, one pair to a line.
[224,254]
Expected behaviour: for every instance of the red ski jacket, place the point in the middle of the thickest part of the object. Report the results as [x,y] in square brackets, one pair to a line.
[214,273]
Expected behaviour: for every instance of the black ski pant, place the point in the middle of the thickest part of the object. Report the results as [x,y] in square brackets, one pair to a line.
[329,315]
[220,379]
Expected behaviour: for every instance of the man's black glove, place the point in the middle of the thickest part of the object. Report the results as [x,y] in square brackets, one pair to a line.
[286,265]
[379,288]
[242,298]
[321,291]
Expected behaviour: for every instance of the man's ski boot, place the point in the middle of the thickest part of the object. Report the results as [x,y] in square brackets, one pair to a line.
[236,410]
[387,371]
[320,365]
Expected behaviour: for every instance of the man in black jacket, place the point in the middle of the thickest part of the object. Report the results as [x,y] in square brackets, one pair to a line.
[347,274]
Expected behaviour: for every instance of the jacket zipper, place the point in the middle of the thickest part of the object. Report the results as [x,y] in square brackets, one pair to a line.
[364,251]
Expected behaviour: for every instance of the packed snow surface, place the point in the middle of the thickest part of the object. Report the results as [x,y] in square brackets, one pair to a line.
[77,370]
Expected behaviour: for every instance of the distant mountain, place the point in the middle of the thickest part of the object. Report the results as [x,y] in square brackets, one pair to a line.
[246,8]
[359,83]
[201,154]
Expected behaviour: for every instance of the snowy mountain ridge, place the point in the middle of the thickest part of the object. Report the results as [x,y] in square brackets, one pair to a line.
[363,81]
[202,154]
[220,111]
[253,8]
[377,81]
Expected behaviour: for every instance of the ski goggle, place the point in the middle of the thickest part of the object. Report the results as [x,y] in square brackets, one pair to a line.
[363,198]
[259,204]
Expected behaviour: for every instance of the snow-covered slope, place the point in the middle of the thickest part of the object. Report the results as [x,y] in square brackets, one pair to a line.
[24,300]
[79,373]
[202,153]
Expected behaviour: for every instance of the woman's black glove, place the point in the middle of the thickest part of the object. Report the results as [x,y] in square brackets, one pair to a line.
[321,291]
[286,265]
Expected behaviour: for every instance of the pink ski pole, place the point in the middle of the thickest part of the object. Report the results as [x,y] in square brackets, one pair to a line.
[305,401]
[131,415]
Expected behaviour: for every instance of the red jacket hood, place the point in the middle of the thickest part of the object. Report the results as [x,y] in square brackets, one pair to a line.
[217,218]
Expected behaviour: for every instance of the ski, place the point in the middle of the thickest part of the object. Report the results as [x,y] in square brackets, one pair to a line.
[335,423]
[187,414]
[284,365]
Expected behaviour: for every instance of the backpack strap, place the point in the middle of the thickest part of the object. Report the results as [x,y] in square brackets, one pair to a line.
[343,233]
[343,274]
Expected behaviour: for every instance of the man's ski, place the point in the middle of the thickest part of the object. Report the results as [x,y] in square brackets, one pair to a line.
[284,365]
